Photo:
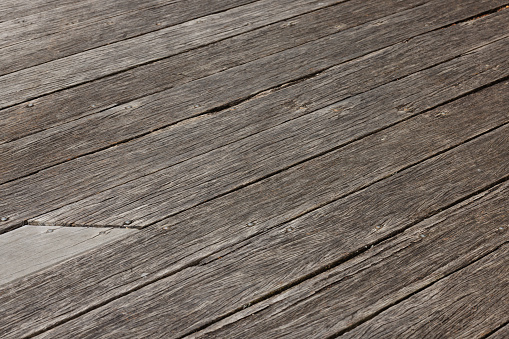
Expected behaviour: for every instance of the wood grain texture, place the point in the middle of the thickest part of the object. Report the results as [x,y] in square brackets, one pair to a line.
[501,333]
[169,190]
[468,304]
[64,31]
[383,275]
[36,81]
[62,106]
[174,249]
[129,120]
[258,267]
[14,9]
[31,248]
[85,176]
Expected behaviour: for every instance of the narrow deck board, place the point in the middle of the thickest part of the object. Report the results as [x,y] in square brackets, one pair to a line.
[501,333]
[176,252]
[82,67]
[78,176]
[30,249]
[61,33]
[353,292]
[468,304]
[70,104]
[15,9]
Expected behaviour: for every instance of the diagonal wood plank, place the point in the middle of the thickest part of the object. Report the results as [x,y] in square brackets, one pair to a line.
[500,333]
[465,305]
[42,24]
[155,197]
[62,106]
[121,123]
[86,66]
[15,9]
[43,37]
[30,249]
[286,254]
[80,178]
[354,291]
[164,250]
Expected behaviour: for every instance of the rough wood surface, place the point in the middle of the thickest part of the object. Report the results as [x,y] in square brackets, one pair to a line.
[175,248]
[351,293]
[80,176]
[36,81]
[14,9]
[129,120]
[299,168]
[30,249]
[89,98]
[202,177]
[288,253]
[42,37]
[468,304]
[501,333]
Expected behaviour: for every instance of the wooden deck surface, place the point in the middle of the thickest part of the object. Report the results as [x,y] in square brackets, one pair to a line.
[254,169]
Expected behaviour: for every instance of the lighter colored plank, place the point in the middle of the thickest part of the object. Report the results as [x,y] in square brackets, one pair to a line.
[29,249]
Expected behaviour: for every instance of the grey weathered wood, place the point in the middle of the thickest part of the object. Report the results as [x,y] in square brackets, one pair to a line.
[129,120]
[223,224]
[501,333]
[32,248]
[55,75]
[89,98]
[64,31]
[80,176]
[468,304]
[154,197]
[358,289]
[12,9]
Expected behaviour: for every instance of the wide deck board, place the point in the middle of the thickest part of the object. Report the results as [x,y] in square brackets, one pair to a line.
[297,169]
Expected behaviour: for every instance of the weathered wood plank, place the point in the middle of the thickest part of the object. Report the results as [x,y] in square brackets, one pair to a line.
[358,289]
[502,333]
[81,176]
[199,236]
[154,197]
[42,24]
[132,119]
[59,107]
[468,304]
[286,254]
[12,9]
[55,75]
[32,248]
[51,35]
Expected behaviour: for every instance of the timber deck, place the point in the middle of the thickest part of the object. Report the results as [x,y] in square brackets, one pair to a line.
[254,169]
